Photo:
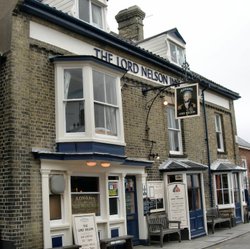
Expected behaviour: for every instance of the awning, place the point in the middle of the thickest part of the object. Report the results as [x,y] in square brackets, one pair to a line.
[225,165]
[181,165]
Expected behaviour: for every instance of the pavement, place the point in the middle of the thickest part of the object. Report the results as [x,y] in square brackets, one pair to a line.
[220,235]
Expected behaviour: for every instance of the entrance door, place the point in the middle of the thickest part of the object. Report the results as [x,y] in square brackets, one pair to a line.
[131,208]
[195,205]
[236,187]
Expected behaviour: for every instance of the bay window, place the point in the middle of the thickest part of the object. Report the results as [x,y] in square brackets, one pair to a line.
[223,190]
[88,103]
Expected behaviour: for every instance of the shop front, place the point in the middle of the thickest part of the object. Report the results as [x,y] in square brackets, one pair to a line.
[229,188]
[75,186]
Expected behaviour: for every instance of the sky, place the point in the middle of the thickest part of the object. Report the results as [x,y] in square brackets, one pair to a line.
[217,35]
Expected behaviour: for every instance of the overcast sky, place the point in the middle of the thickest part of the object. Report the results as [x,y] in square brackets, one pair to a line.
[217,35]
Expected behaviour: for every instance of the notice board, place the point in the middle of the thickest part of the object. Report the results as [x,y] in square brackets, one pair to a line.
[85,231]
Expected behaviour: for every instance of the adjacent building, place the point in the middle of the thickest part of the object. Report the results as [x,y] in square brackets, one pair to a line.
[83,127]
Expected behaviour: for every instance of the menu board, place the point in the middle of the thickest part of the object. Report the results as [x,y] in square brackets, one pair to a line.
[177,204]
[85,231]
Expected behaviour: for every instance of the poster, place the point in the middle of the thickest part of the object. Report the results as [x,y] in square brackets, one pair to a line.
[85,231]
[187,102]
[155,199]
[177,203]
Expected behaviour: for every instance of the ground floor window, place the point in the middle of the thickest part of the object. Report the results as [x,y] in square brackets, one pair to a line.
[222,189]
[85,195]
[113,190]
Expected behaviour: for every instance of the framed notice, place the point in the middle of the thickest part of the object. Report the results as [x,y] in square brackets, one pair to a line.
[85,231]
[187,102]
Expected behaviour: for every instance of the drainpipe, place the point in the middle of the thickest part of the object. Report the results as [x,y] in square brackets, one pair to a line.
[208,149]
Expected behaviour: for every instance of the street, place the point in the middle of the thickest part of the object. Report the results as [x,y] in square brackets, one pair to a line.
[240,242]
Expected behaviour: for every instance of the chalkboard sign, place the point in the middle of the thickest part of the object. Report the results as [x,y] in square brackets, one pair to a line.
[85,231]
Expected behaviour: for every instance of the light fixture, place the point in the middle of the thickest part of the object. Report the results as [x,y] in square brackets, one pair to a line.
[105,164]
[154,156]
[91,163]
[165,100]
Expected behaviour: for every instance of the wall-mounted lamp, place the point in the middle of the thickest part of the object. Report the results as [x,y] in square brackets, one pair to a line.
[153,156]
[165,100]
[94,163]
[105,164]
[91,163]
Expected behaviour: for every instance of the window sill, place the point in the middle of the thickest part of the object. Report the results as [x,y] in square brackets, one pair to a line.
[177,155]
[59,226]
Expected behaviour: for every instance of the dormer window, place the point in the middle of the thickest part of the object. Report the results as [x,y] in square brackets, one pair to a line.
[177,54]
[92,12]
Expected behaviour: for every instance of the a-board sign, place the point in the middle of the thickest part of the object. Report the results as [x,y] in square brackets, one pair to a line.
[177,203]
[85,231]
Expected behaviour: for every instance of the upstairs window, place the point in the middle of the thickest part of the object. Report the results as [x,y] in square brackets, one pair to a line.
[177,54]
[219,133]
[174,132]
[92,12]
[88,102]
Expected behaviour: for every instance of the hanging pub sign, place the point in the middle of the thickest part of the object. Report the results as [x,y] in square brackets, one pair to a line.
[187,101]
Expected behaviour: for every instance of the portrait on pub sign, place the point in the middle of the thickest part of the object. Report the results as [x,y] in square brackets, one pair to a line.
[187,101]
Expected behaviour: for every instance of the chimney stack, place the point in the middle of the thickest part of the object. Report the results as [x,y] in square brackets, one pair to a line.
[130,23]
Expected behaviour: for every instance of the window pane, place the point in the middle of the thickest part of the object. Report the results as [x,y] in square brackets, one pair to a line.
[113,206]
[55,207]
[100,119]
[111,122]
[173,140]
[218,182]
[219,197]
[225,181]
[111,97]
[105,120]
[74,113]
[98,83]
[226,196]
[73,83]
[130,203]
[84,184]
[84,10]
[85,203]
[97,15]
[181,57]
[173,53]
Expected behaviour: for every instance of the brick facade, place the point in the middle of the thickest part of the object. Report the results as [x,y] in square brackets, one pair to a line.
[27,120]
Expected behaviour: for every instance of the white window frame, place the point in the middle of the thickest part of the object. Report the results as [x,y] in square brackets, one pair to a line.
[118,182]
[230,190]
[97,3]
[64,205]
[178,130]
[89,134]
[219,132]
[180,59]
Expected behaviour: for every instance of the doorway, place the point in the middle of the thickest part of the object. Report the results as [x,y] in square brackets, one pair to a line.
[196,214]
[131,208]
[236,191]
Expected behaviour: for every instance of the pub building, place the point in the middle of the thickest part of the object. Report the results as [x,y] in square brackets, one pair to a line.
[84,129]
